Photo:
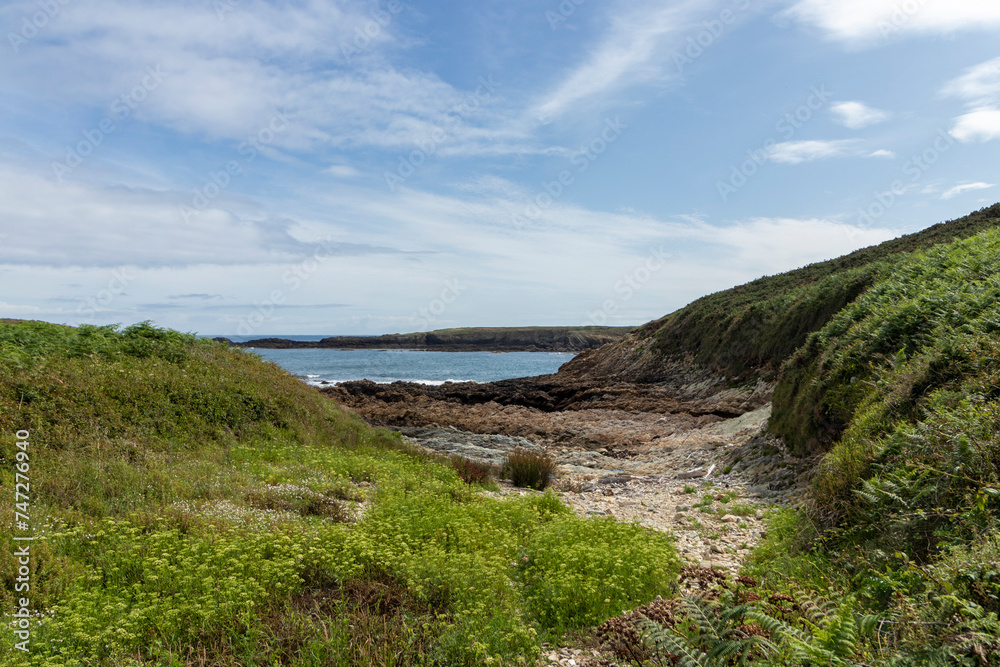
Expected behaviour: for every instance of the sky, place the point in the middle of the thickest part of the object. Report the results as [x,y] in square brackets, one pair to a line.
[355,167]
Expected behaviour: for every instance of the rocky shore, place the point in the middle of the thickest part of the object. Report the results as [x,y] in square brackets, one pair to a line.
[644,451]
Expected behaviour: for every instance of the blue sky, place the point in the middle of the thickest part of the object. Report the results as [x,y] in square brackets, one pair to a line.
[252,167]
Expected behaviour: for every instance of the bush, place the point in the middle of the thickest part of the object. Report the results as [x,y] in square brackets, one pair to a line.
[472,472]
[579,572]
[532,470]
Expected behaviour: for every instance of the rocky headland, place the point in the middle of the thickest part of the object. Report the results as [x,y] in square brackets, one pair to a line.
[469,339]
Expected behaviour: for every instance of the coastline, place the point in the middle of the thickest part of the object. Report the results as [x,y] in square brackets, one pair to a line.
[469,339]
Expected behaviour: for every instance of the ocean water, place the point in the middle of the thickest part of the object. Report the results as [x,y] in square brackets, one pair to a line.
[324,366]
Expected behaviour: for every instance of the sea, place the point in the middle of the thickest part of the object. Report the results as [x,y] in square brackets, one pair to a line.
[326,366]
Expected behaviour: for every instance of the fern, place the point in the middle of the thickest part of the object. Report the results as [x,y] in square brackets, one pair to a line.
[709,636]
[831,634]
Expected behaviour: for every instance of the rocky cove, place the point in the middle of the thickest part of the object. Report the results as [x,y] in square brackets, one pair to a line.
[687,454]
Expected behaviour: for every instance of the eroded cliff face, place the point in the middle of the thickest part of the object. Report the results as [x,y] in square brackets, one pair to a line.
[632,359]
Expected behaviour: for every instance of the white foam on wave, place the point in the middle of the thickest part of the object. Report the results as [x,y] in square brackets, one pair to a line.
[312,381]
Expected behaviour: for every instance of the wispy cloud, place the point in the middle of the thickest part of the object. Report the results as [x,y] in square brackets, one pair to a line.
[80,224]
[860,22]
[857,115]
[797,152]
[965,187]
[225,77]
[979,86]
[634,49]
[342,171]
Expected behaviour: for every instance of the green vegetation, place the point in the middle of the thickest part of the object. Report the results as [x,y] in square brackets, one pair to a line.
[531,470]
[192,504]
[473,472]
[753,328]
[901,390]
[887,364]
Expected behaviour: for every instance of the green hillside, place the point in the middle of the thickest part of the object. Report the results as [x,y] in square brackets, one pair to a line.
[193,505]
[754,327]
[902,389]
[887,364]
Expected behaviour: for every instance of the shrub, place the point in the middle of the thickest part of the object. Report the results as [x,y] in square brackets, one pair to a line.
[472,472]
[531,470]
[579,572]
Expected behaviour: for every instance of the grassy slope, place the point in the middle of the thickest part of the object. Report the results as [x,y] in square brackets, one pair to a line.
[905,511]
[889,360]
[755,327]
[188,503]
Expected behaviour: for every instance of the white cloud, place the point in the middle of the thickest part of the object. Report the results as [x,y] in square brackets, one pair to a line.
[782,244]
[978,125]
[965,187]
[860,22]
[882,153]
[633,50]
[980,87]
[857,115]
[224,79]
[979,84]
[796,152]
[79,224]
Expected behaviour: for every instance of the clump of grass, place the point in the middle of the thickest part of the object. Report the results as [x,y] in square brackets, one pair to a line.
[741,509]
[532,470]
[297,499]
[473,472]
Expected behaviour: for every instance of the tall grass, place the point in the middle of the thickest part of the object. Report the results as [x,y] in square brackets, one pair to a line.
[532,470]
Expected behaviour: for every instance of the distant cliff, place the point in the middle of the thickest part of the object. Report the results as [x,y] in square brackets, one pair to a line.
[471,339]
